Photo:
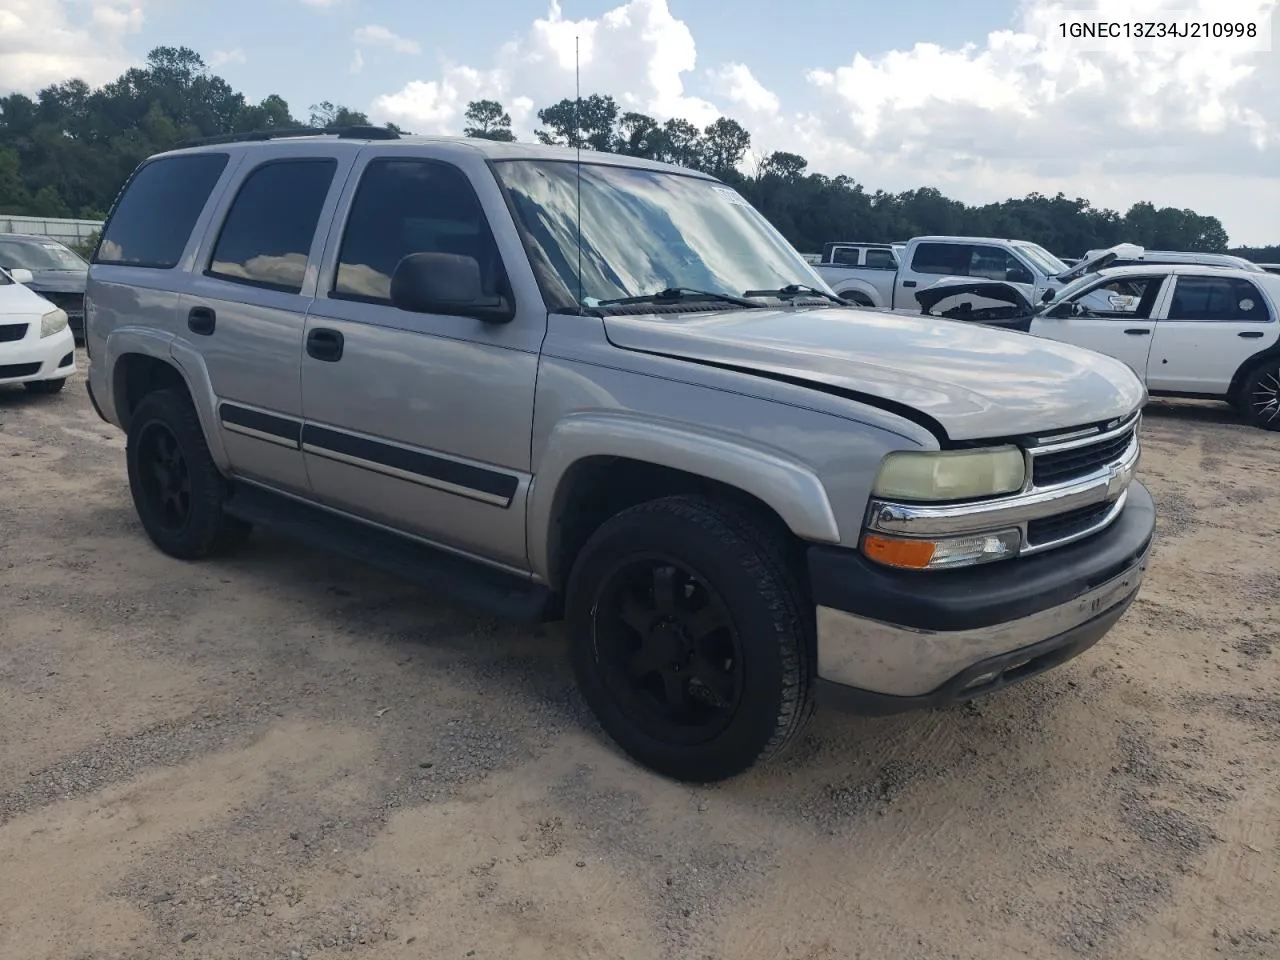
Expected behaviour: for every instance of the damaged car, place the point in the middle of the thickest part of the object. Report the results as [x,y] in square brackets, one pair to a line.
[1187,330]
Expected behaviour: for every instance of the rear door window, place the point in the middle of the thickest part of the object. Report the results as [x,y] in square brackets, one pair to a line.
[160,205]
[1217,298]
[266,237]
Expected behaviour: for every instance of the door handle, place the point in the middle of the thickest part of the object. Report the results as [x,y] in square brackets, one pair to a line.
[1138,332]
[1250,334]
[908,283]
[325,344]
[201,320]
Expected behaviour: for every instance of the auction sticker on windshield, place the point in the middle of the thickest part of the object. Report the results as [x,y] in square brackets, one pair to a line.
[733,196]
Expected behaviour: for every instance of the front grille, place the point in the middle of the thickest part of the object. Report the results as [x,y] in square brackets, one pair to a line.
[12,331]
[1063,466]
[70,302]
[18,370]
[1051,529]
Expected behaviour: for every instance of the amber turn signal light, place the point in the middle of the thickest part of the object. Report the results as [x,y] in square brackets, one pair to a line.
[892,552]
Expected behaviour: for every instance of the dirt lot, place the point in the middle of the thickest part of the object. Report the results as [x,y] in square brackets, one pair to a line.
[285,755]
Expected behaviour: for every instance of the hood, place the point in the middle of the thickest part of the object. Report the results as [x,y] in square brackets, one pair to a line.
[963,381]
[1006,294]
[59,281]
[19,300]
[1098,260]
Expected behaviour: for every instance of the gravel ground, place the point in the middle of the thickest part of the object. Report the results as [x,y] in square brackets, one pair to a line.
[284,755]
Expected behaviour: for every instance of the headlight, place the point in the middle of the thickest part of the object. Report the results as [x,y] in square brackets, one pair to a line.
[55,321]
[951,474]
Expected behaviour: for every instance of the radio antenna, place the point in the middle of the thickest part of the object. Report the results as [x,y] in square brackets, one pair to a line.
[577,137]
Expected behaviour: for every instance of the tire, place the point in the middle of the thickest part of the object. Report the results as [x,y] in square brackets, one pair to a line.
[689,700]
[177,490]
[858,299]
[45,386]
[1259,399]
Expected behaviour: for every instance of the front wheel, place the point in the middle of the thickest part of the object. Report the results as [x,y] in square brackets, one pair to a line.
[689,638]
[177,489]
[1259,401]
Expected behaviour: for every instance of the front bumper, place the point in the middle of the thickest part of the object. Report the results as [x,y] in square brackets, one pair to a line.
[890,641]
[38,358]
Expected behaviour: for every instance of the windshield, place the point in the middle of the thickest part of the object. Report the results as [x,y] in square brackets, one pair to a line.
[39,255]
[1071,289]
[644,231]
[1043,260]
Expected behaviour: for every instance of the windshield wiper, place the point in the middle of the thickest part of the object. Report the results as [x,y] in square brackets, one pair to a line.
[676,295]
[796,290]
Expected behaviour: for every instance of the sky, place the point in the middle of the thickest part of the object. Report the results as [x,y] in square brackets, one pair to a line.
[976,98]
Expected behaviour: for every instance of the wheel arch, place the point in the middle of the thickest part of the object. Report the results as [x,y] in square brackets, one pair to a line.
[142,360]
[1237,381]
[597,465]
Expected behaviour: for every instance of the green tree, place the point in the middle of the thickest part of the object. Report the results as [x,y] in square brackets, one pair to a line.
[682,143]
[639,136]
[328,114]
[590,123]
[67,150]
[725,143]
[488,121]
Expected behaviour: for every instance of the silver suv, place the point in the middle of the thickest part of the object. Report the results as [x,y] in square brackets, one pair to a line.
[608,391]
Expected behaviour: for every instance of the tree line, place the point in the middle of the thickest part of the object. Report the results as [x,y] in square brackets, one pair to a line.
[66,152]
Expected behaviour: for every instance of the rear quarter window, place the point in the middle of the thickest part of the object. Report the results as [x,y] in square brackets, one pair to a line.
[160,205]
[947,259]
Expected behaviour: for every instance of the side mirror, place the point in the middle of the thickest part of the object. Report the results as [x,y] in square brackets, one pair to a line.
[1018,275]
[21,275]
[448,284]
[1048,296]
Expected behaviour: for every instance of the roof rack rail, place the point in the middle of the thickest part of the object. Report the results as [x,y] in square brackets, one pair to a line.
[353,132]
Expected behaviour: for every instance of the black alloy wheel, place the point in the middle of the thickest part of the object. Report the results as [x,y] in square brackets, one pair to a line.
[668,649]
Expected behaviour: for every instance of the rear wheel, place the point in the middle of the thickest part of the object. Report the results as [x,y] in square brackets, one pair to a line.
[689,638]
[45,386]
[861,299]
[177,489]
[1259,400]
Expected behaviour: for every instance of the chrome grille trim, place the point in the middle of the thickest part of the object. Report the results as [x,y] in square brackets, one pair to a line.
[1108,483]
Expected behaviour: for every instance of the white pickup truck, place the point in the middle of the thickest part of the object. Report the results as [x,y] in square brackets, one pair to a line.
[898,272]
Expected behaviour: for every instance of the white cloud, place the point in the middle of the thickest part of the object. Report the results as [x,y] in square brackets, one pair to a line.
[221,58]
[323,3]
[1014,112]
[357,61]
[739,85]
[41,42]
[374,35]
[638,52]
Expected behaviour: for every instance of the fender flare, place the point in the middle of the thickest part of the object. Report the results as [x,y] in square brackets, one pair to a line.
[165,347]
[786,485]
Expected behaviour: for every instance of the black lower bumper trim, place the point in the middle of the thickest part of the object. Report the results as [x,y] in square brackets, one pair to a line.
[982,596]
[1008,669]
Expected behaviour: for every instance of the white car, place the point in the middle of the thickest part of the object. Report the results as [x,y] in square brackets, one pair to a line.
[37,348]
[1188,331]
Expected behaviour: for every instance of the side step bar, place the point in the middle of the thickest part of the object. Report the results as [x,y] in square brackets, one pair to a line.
[474,584]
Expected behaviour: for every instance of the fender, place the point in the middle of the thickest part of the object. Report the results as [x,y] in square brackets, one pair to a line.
[165,347]
[792,489]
